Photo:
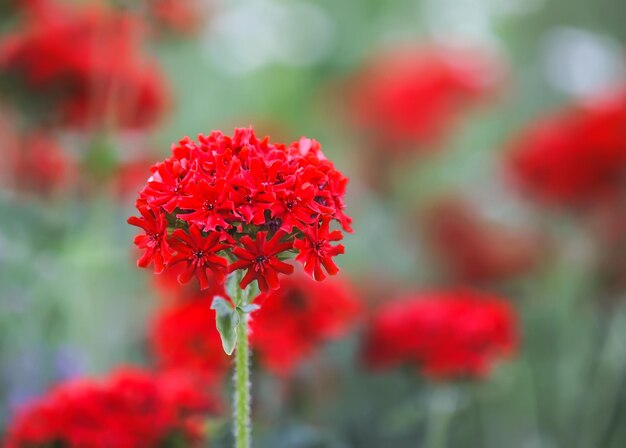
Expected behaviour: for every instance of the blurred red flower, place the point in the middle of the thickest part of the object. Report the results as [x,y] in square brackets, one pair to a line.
[36,162]
[473,249]
[180,16]
[130,176]
[87,62]
[297,318]
[413,96]
[42,165]
[447,335]
[184,337]
[128,409]
[291,323]
[575,157]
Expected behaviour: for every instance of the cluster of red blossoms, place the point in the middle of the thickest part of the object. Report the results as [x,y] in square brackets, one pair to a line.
[297,318]
[180,16]
[87,62]
[184,338]
[576,157]
[37,162]
[476,250]
[247,199]
[292,322]
[129,409]
[413,96]
[447,335]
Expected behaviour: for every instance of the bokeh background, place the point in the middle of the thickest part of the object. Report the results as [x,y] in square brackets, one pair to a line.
[485,142]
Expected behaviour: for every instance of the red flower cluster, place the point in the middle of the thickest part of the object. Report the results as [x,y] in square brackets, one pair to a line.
[446,334]
[182,16]
[87,62]
[410,97]
[245,198]
[130,409]
[473,249]
[38,163]
[184,337]
[291,323]
[299,317]
[576,157]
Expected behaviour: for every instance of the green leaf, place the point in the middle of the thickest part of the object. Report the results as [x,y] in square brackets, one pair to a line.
[227,320]
[249,308]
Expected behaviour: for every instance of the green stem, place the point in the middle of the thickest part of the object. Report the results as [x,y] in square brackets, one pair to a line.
[242,380]
[441,411]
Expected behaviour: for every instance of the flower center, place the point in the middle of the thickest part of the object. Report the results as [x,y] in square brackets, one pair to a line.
[208,205]
[274,224]
[155,240]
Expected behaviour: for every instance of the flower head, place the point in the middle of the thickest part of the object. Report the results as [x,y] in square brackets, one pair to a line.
[573,158]
[473,249]
[413,96]
[300,316]
[86,62]
[129,409]
[246,200]
[447,335]
[36,162]
[184,337]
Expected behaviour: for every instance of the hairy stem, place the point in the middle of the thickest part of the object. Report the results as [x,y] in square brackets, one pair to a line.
[242,380]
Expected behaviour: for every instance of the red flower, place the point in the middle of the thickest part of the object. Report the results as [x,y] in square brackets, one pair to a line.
[184,337]
[574,158]
[36,162]
[317,252]
[199,254]
[209,204]
[473,249]
[167,184]
[154,241]
[446,334]
[294,206]
[260,258]
[181,16]
[414,96]
[297,318]
[130,409]
[130,176]
[238,190]
[87,63]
